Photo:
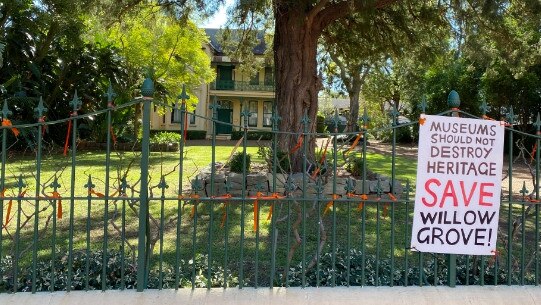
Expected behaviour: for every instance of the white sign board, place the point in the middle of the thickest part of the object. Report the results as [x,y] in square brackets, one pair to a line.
[457,198]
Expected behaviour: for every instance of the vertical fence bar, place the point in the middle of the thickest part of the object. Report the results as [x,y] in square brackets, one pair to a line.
[406,231]
[76,102]
[20,185]
[181,97]
[511,118]
[245,114]
[537,175]
[319,190]
[123,186]
[214,107]
[305,123]
[524,192]
[55,187]
[110,94]
[336,120]
[142,247]
[275,118]
[89,185]
[40,110]
[394,123]
[162,185]
[5,114]
[364,130]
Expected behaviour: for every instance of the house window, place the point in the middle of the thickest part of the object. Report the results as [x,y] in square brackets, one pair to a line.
[267,113]
[252,108]
[192,118]
[269,76]
[175,115]
[254,80]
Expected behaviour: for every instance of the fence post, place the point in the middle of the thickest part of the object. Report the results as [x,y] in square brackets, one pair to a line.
[5,114]
[147,90]
[453,101]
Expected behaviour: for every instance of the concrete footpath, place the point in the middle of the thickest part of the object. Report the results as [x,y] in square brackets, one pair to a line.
[493,295]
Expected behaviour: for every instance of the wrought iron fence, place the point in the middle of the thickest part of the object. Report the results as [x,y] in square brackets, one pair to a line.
[154,220]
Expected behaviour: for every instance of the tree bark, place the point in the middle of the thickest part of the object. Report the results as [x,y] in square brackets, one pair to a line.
[297,82]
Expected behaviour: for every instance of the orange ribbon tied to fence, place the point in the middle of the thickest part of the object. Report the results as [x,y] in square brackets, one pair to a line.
[93,192]
[195,197]
[363,197]
[224,215]
[355,142]
[298,145]
[6,122]
[257,197]
[330,203]
[56,196]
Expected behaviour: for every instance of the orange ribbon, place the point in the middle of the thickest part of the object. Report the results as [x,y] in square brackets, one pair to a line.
[323,156]
[113,137]
[257,197]
[100,195]
[298,145]
[66,144]
[362,197]
[42,120]
[354,143]
[194,197]
[6,122]
[56,196]
[533,152]
[330,203]
[224,215]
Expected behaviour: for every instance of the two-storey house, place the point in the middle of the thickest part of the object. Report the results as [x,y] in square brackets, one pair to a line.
[233,91]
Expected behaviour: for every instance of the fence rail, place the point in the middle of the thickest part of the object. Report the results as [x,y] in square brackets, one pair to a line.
[121,220]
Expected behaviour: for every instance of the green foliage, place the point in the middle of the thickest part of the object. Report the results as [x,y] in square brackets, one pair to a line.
[382,266]
[284,163]
[252,135]
[237,161]
[320,124]
[355,166]
[115,263]
[196,134]
[165,137]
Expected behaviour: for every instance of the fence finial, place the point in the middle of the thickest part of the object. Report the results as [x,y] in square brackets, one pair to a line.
[453,100]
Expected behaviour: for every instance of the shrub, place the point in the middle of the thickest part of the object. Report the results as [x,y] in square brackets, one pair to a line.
[284,162]
[252,135]
[165,137]
[355,166]
[115,262]
[320,124]
[237,161]
[196,134]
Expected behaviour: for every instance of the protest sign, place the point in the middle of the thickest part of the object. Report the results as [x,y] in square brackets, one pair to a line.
[457,197]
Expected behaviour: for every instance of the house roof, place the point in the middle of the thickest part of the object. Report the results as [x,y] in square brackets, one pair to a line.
[217,48]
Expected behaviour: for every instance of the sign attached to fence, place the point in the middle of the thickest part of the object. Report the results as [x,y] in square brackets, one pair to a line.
[457,199]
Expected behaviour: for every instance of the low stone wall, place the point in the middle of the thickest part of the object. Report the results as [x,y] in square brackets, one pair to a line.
[264,182]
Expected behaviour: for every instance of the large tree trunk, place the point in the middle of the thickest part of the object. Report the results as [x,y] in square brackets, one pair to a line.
[297,82]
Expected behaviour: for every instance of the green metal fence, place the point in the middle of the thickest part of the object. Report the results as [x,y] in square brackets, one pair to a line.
[142,219]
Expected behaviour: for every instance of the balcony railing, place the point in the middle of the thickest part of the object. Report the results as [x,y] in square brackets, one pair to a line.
[232,85]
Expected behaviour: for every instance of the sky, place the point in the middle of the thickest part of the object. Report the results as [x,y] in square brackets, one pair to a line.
[219,18]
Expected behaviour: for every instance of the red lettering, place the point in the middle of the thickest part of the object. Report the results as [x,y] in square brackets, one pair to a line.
[449,191]
[483,193]
[467,200]
[430,192]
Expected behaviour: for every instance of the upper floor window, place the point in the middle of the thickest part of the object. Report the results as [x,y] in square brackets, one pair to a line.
[254,80]
[269,76]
